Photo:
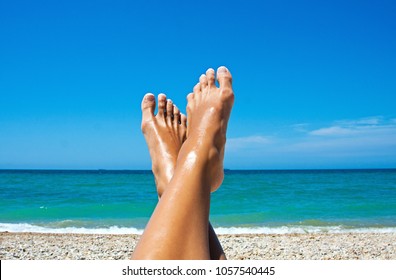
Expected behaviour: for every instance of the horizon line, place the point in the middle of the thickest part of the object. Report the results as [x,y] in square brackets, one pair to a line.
[225,169]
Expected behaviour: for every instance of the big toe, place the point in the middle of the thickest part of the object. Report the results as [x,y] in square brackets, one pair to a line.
[224,77]
[148,106]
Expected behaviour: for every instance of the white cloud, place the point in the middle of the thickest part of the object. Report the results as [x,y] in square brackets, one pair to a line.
[364,126]
[375,120]
[300,127]
[247,142]
[365,142]
[332,131]
[374,136]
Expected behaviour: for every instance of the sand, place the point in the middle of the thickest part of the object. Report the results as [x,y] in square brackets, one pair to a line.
[316,246]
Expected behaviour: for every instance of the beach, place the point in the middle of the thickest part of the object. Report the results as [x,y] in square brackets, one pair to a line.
[258,214]
[309,246]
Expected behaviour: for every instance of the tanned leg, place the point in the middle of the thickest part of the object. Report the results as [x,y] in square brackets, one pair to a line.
[164,134]
[178,228]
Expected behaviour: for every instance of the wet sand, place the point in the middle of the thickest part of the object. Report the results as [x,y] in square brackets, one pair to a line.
[316,246]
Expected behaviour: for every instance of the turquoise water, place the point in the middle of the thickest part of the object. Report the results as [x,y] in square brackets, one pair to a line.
[248,201]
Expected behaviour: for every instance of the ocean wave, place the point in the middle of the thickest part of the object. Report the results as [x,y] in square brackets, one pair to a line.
[25,227]
[301,229]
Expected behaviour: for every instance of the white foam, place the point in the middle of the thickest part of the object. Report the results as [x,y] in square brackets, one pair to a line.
[25,227]
[301,229]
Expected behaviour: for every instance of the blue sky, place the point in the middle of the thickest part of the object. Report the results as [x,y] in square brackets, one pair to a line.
[315,81]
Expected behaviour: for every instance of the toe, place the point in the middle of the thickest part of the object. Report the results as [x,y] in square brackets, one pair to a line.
[224,77]
[183,127]
[169,109]
[148,106]
[197,89]
[176,115]
[210,75]
[183,120]
[161,104]
[190,97]
[190,101]
[203,81]
[190,106]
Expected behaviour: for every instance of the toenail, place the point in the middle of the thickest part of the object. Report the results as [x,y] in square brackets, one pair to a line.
[150,97]
[222,69]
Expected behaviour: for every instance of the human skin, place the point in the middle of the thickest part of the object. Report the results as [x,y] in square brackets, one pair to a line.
[165,132]
[179,225]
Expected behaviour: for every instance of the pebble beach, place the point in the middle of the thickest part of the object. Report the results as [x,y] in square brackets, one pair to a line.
[309,246]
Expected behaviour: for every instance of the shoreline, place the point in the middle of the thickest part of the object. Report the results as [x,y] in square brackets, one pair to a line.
[233,230]
[289,246]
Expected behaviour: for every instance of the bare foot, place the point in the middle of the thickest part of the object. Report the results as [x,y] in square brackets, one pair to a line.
[164,134]
[171,148]
[208,111]
[183,210]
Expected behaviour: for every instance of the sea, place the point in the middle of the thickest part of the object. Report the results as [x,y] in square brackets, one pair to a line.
[249,201]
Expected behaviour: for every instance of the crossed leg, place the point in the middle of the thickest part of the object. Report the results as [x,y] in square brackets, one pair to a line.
[178,228]
[164,134]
